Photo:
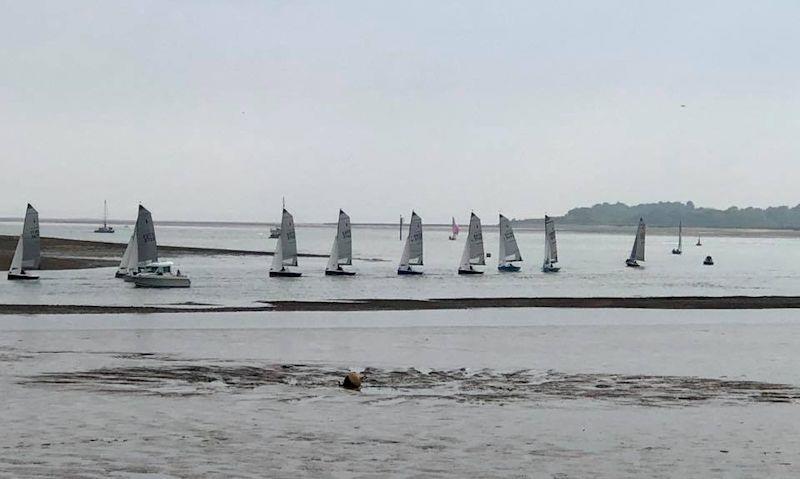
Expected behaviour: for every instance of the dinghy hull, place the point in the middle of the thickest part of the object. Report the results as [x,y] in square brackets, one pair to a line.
[408,272]
[21,277]
[339,272]
[469,271]
[676,251]
[285,274]
[551,269]
[631,263]
[508,268]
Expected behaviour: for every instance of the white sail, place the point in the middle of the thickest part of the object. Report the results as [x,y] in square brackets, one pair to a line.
[550,248]
[509,251]
[473,248]
[16,261]
[147,247]
[412,251]
[288,240]
[680,235]
[637,252]
[126,256]
[342,249]
[277,257]
[133,260]
[31,250]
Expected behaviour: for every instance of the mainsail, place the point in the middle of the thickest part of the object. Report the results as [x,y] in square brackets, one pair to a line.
[31,247]
[412,251]
[550,248]
[680,235]
[509,251]
[637,253]
[146,246]
[342,250]
[287,243]
[473,248]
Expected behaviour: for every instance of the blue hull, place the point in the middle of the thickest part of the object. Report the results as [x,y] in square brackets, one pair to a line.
[508,268]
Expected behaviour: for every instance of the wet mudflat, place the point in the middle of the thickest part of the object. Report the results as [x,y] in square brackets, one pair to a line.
[490,393]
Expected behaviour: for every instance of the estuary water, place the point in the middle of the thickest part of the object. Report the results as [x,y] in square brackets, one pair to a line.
[474,393]
[592,265]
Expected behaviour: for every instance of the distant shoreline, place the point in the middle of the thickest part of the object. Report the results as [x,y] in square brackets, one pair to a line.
[665,302]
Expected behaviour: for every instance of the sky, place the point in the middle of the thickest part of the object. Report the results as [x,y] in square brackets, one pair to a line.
[211,110]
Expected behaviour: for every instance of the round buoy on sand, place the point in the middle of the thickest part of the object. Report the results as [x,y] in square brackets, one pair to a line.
[352,381]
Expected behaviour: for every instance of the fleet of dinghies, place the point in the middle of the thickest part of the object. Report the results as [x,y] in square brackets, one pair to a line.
[140,263]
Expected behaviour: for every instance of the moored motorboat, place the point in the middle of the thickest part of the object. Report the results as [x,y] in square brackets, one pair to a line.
[508,252]
[473,254]
[637,252]
[160,275]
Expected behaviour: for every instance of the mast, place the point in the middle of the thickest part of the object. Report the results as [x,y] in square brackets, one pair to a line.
[680,235]
[105,214]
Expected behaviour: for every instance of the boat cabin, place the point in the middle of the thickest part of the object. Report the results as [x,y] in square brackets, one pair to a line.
[159,268]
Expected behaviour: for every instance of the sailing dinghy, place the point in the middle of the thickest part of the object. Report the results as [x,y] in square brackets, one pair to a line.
[342,250]
[679,249]
[129,257]
[412,251]
[285,250]
[473,254]
[27,253]
[509,251]
[454,229]
[550,248]
[637,252]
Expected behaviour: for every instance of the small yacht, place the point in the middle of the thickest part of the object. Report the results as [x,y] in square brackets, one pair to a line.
[412,251]
[679,249]
[275,232]
[637,252]
[285,250]
[16,271]
[473,254]
[550,248]
[709,261]
[508,252]
[160,275]
[342,250]
[105,228]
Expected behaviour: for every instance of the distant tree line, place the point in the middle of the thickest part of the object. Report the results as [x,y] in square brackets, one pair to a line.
[668,213]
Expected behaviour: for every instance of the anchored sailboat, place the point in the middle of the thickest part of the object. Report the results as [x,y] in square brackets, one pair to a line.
[550,248]
[473,254]
[454,230]
[412,251]
[698,241]
[637,253]
[679,249]
[509,251]
[342,250]
[285,250]
[105,228]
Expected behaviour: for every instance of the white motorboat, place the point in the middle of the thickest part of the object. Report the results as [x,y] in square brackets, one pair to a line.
[160,275]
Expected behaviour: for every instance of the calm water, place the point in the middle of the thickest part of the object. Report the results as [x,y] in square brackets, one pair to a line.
[592,266]
[488,393]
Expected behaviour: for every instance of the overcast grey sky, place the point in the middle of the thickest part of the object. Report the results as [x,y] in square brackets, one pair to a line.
[213,110]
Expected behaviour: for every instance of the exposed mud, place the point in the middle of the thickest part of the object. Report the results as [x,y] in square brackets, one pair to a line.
[460,385]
